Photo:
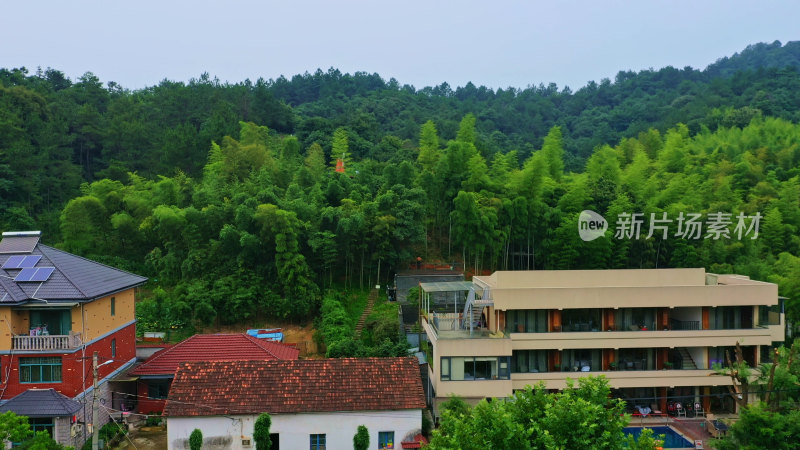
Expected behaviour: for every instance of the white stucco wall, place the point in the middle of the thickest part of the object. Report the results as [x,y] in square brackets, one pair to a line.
[226,432]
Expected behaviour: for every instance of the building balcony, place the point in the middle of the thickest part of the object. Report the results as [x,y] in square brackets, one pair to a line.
[453,326]
[645,338]
[46,343]
[625,379]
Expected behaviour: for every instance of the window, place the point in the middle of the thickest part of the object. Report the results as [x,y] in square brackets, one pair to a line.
[385,439]
[581,360]
[769,315]
[158,388]
[113,348]
[41,424]
[529,361]
[45,369]
[50,322]
[445,369]
[526,321]
[456,368]
[317,442]
[584,319]
[113,306]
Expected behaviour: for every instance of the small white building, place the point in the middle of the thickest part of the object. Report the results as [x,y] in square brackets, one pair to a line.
[316,404]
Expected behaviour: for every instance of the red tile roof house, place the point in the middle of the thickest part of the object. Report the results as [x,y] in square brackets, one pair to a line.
[156,373]
[57,309]
[316,404]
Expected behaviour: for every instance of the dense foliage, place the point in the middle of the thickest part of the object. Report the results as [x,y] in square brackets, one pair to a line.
[14,428]
[381,336]
[577,417]
[759,427]
[228,196]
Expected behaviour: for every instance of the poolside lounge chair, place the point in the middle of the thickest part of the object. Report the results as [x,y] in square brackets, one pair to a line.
[711,426]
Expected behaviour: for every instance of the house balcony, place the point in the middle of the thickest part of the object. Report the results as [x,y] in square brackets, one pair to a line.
[46,343]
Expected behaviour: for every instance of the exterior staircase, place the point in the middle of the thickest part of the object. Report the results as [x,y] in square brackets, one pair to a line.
[473,308]
[373,295]
[687,363]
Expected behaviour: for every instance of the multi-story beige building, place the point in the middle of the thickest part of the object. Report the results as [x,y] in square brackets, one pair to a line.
[654,333]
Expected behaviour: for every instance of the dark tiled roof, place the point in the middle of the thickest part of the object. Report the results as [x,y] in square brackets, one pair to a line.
[41,403]
[74,278]
[18,244]
[214,347]
[275,387]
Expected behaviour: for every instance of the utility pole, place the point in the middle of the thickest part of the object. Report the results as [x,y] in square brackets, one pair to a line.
[95,408]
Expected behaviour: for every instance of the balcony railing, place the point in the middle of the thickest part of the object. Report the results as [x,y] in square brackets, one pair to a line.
[451,326]
[47,343]
[676,324]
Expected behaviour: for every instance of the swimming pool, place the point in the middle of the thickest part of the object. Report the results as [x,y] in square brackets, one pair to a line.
[671,437]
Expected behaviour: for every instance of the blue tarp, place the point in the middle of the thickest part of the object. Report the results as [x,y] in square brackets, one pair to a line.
[273,334]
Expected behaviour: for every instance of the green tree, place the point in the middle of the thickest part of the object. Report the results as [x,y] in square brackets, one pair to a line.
[582,416]
[340,148]
[196,439]
[429,152]
[361,438]
[759,428]
[261,432]
[554,153]
[14,428]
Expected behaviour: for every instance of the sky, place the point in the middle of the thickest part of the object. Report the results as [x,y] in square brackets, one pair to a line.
[498,44]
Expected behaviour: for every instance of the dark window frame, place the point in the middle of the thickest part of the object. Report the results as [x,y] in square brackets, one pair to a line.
[30,366]
[317,441]
[384,438]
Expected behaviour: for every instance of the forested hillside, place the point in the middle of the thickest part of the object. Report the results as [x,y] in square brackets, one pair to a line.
[227,194]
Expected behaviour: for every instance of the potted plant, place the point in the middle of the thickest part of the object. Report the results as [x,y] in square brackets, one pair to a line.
[613,365]
[667,365]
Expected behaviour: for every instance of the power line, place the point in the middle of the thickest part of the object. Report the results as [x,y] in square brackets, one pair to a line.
[124,432]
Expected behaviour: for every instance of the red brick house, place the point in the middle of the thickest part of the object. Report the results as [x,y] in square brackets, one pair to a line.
[156,373]
[58,309]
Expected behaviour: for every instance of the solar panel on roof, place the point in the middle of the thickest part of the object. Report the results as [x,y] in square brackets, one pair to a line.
[30,260]
[34,274]
[13,262]
[26,274]
[42,274]
[21,261]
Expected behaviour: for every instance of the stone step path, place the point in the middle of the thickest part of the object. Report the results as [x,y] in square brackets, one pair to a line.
[373,295]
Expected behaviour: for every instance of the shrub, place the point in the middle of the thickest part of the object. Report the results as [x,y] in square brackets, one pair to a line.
[196,440]
[361,438]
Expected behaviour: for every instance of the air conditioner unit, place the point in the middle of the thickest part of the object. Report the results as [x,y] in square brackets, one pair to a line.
[76,429]
[246,443]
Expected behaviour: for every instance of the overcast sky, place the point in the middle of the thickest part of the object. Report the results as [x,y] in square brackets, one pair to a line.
[493,43]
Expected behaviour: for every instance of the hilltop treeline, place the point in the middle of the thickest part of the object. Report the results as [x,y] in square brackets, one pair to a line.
[228,196]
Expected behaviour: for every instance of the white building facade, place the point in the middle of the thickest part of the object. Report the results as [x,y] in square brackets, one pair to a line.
[331,430]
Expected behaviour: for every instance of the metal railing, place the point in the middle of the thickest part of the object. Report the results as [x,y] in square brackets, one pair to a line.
[45,343]
[676,324]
